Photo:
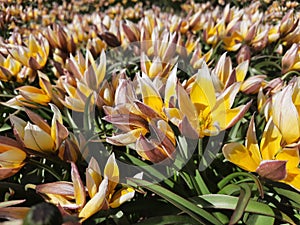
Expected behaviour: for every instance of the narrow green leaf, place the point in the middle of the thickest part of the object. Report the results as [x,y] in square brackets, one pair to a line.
[5,127]
[245,194]
[148,169]
[202,216]
[292,195]
[260,219]
[201,184]
[219,201]
[87,120]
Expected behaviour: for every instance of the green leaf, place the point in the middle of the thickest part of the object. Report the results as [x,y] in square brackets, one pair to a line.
[202,216]
[260,219]
[219,201]
[170,219]
[148,169]
[292,195]
[87,120]
[245,194]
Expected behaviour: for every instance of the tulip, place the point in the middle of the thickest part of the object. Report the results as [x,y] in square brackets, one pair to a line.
[35,55]
[100,189]
[9,68]
[285,112]
[270,160]
[39,136]
[201,113]
[11,157]
[291,59]
[137,119]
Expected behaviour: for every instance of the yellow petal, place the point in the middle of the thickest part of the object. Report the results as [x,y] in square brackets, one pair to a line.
[270,142]
[37,139]
[150,94]
[242,157]
[12,158]
[241,71]
[285,115]
[121,196]
[203,92]
[18,125]
[293,178]
[170,90]
[111,172]
[79,190]
[251,142]
[93,177]
[292,157]
[95,204]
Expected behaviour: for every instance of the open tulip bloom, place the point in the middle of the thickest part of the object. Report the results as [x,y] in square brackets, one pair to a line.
[269,160]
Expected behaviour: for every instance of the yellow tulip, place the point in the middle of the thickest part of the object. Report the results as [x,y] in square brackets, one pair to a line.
[11,157]
[270,160]
[136,119]
[40,136]
[35,55]
[291,59]
[285,112]
[101,190]
[203,113]
[32,96]
[9,68]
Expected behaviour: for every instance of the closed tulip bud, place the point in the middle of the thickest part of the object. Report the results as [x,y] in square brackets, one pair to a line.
[244,54]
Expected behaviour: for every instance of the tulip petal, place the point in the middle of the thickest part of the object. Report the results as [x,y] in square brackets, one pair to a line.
[242,157]
[150,95]
[12,158]
[79,190]
[286,120]
[37,139]
[270,143]
[272,169]
[251,142]
[203,92]
[111,172]
[96,203]
[121,196]
[63,188]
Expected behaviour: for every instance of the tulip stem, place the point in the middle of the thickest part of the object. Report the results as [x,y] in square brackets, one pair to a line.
[45,167]
[200,148]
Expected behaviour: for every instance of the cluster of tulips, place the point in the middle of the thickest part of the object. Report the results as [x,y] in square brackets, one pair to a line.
[195,73]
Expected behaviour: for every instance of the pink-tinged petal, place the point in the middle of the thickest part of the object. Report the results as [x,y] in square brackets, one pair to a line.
[96,203]
[38,120]
[253,84]
[33,64]
[63,188]
[270,143]
[126,120]
[240,156]
[285,115]
[127,138]
[150,151]
[187,130]
[289,58]
[148,111]
[125,92]
[251,142]
[14,213]
[272,169]
[111,172]
[121,196]
[79,190]
[8,172]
